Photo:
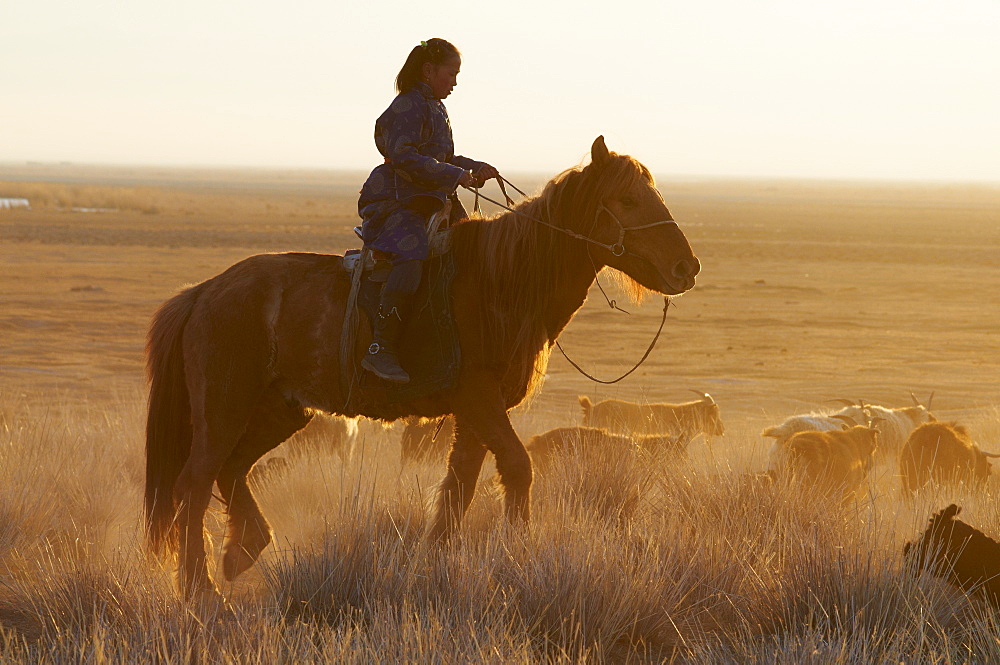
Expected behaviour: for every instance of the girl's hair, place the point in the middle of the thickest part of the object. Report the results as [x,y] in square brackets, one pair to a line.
[435,51]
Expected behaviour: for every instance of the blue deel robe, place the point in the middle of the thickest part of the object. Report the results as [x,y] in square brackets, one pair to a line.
[420,171]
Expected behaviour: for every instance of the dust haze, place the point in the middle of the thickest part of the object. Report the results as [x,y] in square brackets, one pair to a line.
[810,291]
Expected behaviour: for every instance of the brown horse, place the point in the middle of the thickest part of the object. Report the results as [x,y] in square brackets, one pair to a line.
[238,362]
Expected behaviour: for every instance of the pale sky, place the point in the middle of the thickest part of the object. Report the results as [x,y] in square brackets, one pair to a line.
[887,89]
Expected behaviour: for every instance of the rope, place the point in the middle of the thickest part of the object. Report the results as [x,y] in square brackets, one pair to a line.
[617,249]
[349,331]
[572,234]
[611,303]
[649,349]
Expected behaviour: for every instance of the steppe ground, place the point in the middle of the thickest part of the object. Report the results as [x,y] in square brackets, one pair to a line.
[810,291]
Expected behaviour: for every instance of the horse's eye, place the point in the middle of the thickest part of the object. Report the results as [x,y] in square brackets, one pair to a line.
[629,202]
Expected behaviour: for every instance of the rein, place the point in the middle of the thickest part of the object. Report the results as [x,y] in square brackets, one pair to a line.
[649,349]
[617,249]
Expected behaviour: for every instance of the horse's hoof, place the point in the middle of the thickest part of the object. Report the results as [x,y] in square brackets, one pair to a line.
[209,605]
[242,550]
[236,561]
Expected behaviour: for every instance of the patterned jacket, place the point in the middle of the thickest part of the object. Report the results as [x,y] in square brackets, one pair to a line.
[414,136]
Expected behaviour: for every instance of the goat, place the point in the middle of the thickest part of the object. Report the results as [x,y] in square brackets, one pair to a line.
[425,436]
[962,554]
[542,447]
[324,434]
[832,460]
[894,426]
[945,453]
[686,420]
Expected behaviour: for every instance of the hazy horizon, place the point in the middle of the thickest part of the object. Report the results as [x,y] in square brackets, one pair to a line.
[888,91]
[70,171]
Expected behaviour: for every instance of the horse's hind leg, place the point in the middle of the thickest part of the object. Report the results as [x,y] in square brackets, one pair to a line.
[247,531]
[220,410]
[455,492]
[212,442]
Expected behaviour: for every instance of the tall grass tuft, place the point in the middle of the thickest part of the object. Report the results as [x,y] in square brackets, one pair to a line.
[629,558]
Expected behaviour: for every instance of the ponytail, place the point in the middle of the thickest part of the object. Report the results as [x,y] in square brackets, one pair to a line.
[435,51]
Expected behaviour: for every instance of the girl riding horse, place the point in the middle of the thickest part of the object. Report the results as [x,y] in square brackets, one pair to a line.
[421,171]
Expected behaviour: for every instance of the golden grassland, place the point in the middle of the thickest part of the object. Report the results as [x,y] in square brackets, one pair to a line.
[809,292]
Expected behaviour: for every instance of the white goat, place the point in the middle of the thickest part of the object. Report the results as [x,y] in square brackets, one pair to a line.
[894,425]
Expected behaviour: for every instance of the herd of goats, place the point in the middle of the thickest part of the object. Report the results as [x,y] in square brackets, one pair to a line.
[831,452]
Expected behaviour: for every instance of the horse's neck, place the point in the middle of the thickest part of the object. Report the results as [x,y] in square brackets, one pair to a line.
[564,272]
[569,295]
[533,277]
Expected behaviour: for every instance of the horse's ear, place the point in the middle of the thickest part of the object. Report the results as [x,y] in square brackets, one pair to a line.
[599,152]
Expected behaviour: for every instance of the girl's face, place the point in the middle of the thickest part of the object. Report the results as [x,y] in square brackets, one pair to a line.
[442,78]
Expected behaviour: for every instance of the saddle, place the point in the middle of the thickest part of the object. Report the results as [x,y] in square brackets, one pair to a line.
[428,346]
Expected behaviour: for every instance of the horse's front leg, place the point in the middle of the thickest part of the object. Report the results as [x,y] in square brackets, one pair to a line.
[514,467]
[456,490]
[485,413]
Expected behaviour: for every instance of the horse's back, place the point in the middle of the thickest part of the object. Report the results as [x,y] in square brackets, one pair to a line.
[286,276]
[271,318]
[284,267]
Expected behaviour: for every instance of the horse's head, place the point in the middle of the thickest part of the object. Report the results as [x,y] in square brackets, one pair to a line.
[630,228]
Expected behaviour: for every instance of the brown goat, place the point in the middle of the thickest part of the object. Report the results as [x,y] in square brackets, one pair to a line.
[686,420]
[424,437]
[945,453]
[325,434]
[542,447]
[834,461]
[958,552]
[893,425]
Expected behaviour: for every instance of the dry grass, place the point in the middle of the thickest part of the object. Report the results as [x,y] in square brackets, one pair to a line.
[629,558]
[154,200]
[633,558]
[61,196]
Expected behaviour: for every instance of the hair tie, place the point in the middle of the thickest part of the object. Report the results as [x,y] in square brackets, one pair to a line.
[424,44]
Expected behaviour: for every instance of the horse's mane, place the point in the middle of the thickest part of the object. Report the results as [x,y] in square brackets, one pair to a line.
[567,199]
[522,265]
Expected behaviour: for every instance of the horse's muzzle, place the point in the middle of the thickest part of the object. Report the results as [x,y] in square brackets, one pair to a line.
[682,274]
[685,269]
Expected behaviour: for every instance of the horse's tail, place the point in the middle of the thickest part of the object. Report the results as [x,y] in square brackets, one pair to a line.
[168,422]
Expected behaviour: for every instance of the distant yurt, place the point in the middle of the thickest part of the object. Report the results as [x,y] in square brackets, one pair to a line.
[7,204]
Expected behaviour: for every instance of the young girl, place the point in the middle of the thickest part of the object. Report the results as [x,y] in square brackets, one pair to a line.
[421,171]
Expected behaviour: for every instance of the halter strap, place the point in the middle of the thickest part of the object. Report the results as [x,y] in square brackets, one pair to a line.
[616,249]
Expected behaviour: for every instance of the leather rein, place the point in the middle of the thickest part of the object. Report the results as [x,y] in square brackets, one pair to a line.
[616,249]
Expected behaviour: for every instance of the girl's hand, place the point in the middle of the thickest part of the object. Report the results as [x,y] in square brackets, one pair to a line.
[468,180]
[486,172]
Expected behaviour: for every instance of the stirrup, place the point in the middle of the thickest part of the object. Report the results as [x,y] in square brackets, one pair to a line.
[439,219]
[393,373]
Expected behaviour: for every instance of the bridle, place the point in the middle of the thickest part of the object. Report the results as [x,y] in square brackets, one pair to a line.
[617,249]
